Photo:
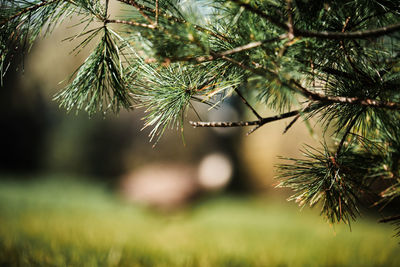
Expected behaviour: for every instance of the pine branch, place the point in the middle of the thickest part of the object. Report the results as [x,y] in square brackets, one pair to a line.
[260,122]
[373,33]
[166,92]
[257,123]
[336,184]
[309,94]
[295,85]
[346,100]
[312,95]
[24,21]
[99,84]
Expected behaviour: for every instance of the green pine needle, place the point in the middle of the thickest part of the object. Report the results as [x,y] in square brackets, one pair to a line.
[336,183]
[99,84]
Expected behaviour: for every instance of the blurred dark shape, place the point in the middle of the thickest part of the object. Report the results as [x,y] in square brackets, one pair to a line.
[24,122]
[93,146]
[37,136]
[108,142]
[169,186]
[162,186]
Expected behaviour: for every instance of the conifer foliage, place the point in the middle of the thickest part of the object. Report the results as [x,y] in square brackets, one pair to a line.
[335,61]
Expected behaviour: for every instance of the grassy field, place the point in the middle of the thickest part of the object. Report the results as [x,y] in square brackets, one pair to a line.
[68,223]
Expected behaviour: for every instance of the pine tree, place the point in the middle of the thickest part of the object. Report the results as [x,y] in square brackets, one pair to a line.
[335,61]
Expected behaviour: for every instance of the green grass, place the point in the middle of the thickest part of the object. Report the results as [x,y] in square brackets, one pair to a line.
[68,223]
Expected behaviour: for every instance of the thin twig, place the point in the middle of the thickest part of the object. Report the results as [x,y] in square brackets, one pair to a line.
[131,22]
[291,123]
[349,127]
[290,26]
[106,14]
[252,45]
[216,55]
[247,104]
[346,100]
[290,20]
[281,116]
[296,113]
[157,10]
[140,9]
[223,124]
[253,130]
[259,123]
[261,72]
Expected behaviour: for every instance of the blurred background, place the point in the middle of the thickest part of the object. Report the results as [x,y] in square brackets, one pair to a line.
[93,191]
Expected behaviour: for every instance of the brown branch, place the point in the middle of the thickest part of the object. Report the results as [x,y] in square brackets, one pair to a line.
[290,20]
[346,100]
[216,55]
[291,123]
[345,24]
[28,9]
[157,10]
[247,104]
[374,33]
[223,124]
[261,72]
[132,23]
[106,13]
[253,130]
[140,9]
[259,123]
[251,45]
